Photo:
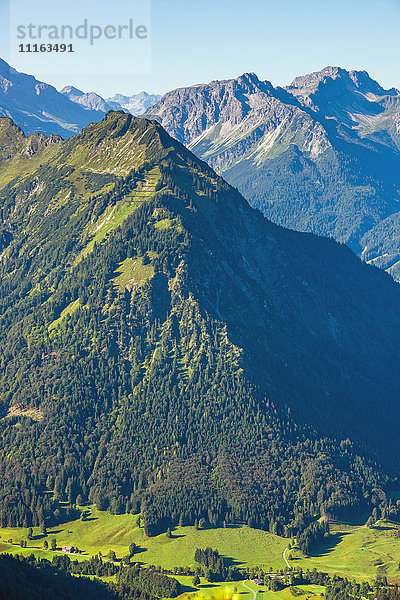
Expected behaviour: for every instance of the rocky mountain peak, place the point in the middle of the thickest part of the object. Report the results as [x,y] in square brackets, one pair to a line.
[70,89]
[337,80]
[248,79]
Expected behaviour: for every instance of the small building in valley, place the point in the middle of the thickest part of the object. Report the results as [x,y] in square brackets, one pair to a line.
[68,549]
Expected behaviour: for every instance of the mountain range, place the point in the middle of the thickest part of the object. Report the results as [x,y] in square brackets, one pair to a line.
[39,108]
[320,155]
[165,348]
[136,104]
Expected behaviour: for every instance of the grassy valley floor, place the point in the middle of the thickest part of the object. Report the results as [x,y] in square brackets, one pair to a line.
[353,552]
[102,532]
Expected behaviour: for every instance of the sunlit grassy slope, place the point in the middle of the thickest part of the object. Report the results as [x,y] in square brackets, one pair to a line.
[103,532]
[359,552]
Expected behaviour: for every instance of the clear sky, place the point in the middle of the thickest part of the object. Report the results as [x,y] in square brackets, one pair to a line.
[198,41]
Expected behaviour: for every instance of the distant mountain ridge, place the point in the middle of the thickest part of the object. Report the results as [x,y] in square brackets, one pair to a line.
[321,155]
[38,107]
[353,99]
[90,100]
[136,104]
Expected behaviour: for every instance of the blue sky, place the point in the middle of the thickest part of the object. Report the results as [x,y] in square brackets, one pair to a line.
[197,41]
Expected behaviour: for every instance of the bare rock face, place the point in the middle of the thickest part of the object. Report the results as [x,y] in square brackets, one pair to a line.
[226,120]
[353,99]
[90,100]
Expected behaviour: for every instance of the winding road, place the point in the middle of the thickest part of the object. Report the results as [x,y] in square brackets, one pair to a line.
[285,559]
[255,592]
[250,589]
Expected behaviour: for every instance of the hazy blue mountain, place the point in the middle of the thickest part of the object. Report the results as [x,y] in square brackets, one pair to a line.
[38,107]
[321,155]
[136,104]
[90,100]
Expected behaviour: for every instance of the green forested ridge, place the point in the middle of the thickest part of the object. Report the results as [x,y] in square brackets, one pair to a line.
[249,375]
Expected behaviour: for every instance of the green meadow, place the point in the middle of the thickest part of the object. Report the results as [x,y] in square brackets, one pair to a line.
[103,532]
[357,552]
[237,591]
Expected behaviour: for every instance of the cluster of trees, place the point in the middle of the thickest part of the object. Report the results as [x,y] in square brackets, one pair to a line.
[312,536]
[95,566]
[215,568]
[341,589]
[149,581]
[24,578]
[39,579]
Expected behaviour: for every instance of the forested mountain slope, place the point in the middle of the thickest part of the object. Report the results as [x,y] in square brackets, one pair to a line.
[164,347]
[321,155]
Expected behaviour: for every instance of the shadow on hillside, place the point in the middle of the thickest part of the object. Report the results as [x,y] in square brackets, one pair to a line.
[54,531]
[231,562]
[382,528]
[90,519]
[354,521]
[176,536]
[329,546]
[135,557]
[186,589]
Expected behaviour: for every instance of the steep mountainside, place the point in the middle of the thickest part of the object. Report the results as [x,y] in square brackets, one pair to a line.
[226,120]
[165,347]
[38,107]
[321,155]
